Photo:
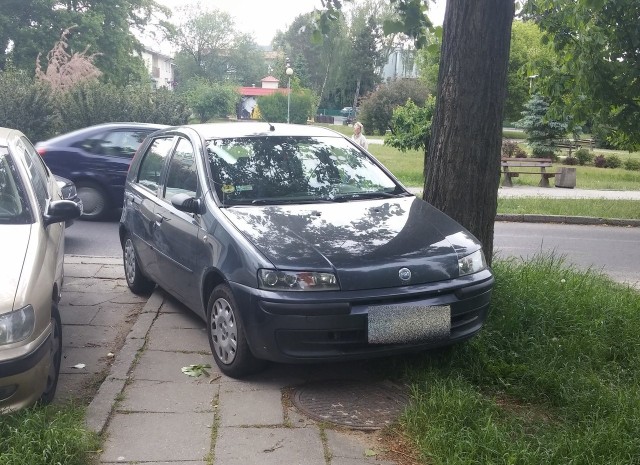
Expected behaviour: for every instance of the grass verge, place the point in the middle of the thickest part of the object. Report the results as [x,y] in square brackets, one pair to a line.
[551,378]
[596,208]
[45,436]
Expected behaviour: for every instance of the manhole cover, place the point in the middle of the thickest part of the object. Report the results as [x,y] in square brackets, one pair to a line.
[355,404]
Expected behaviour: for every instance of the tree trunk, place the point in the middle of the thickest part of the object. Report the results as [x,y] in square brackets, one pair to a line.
[462,163]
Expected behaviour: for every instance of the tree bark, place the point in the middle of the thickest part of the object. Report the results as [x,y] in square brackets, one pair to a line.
[462,163]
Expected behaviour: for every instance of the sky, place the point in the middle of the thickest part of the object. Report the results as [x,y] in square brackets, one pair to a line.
[264,18]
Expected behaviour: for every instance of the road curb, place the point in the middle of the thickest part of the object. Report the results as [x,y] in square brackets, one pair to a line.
[99,410]
[561,219]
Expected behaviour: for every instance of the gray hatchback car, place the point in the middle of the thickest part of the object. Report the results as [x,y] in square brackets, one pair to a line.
[295,245]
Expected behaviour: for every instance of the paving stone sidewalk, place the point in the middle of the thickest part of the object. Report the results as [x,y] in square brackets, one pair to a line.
[149,411]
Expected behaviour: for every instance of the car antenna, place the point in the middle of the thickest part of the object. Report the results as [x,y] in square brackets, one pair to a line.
[271,126]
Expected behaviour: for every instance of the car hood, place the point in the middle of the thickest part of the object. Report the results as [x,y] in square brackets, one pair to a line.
[13,249]
[364,242]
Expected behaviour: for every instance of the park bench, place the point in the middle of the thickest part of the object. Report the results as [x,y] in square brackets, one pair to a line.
[536,166]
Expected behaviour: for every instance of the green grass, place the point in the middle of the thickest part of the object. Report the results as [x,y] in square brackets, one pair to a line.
[597,208]
[550,379]
[46,436]
[406,166]
[589,177]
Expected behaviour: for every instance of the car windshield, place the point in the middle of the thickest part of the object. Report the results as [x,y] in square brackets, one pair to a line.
[276,170]
[14,209]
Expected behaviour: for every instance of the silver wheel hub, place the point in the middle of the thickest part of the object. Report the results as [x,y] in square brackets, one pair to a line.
[92,200]
[129,261]
[224,332]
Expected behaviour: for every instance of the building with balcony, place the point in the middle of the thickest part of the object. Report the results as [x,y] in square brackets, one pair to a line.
[161,68]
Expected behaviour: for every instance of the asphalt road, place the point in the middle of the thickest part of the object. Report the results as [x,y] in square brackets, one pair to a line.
[613,250]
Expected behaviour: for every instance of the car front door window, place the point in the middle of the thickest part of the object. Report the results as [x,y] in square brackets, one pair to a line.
[182,174]
[152,163]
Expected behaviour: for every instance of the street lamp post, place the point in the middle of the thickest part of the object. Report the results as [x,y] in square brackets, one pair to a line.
[289,72]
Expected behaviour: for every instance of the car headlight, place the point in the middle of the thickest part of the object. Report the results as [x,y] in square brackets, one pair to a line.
[472,263]
[17,325]
[297,281]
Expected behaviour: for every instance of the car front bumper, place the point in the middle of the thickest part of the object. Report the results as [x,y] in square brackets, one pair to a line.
[305,326]
[23,378]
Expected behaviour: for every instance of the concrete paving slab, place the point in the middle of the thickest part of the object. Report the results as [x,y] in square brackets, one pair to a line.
[99,410]
[178,339]
[196,395]
[80,270]
[185,320]
[75,259]
[364,461]
[251,408]
[145,437]
[82,297]
[158,365]
[89,336]
[269,446]
[77,315]
[110,272]
[275,376]
[110,314]
[95,285]
[95,359]
[348,445]
[72,386]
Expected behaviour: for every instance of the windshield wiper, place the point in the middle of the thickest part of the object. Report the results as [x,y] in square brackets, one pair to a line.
[366,195]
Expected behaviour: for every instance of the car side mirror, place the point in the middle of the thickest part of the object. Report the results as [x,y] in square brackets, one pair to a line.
[186,203]
[61,211]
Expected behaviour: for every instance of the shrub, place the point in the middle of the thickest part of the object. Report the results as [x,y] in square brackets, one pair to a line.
[511,149]
[613,161]
[274,107]
[376,109]
[571,161]
[411,126]
[93,103]
[632,164]
[541,130]
[584,156]
[26,105]
[599,161]
[209,99]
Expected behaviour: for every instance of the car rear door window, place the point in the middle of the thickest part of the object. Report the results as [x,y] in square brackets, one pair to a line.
[152,163]
[37,172]
[182,177]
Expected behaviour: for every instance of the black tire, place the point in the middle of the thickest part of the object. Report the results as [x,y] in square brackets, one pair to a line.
[136,280]
[55,353]
[95,203]
[227,337]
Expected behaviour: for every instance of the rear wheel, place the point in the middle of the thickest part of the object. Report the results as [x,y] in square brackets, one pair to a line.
[136,280]
[227,337]
[55,355]
[94,200]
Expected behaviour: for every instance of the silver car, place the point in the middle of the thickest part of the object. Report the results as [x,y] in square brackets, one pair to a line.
[32,217]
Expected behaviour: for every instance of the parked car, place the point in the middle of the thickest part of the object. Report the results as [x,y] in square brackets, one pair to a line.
[32,214]
[347,112]
[69,192]
[96,159]
[295,245]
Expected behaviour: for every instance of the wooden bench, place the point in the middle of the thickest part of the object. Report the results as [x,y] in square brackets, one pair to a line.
[527,166]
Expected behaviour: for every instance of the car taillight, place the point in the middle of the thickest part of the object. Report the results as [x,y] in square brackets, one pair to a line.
[41,151]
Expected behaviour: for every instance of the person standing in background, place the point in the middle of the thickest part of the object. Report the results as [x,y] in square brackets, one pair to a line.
[358,136]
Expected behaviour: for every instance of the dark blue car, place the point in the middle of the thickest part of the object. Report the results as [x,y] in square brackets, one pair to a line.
[96,159]
[295,245]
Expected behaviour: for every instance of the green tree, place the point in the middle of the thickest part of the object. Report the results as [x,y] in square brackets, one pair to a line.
[597,42]
[428,59]
[529,56]
[542,131]
[105,26]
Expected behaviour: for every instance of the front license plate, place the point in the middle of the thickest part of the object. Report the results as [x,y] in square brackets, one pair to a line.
[398,324]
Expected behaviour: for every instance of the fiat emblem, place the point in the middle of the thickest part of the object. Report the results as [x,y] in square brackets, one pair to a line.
[404,274]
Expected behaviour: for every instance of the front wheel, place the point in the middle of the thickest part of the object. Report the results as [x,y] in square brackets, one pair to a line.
[95,204]
[55,355]
[226,335]
[136,280]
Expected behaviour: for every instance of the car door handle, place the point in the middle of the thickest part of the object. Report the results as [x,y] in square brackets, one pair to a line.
[160,218]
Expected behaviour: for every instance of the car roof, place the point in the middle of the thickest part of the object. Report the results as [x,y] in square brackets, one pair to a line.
[255,129]
[102,127]
[7,134]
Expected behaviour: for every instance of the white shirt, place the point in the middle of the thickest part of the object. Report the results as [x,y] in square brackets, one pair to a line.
[360,140]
